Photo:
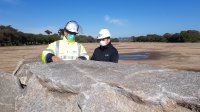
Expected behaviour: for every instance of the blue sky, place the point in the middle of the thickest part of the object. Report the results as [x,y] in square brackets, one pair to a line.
[122,17]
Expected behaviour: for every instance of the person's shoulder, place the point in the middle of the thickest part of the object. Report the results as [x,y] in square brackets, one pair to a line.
[97,49]
[61,41]
[113,47]
[52,43]
[79,44]
[56,41]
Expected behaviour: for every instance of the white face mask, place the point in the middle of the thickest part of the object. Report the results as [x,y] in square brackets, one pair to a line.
[103,43]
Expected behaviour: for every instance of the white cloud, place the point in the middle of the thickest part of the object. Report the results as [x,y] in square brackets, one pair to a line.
[113,20]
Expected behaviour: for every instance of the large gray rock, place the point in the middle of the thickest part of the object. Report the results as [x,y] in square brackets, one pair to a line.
[38,98]
[90,86]
[23,66]
[9,90]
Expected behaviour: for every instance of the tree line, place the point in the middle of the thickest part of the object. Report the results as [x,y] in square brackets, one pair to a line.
[183,36]
[10,36]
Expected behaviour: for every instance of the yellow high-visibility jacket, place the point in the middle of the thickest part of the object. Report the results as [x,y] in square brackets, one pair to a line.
[65,50]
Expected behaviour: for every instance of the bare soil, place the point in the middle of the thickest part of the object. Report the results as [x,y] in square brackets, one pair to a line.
[181,56]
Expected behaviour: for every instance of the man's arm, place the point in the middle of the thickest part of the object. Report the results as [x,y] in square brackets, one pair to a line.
[48,55]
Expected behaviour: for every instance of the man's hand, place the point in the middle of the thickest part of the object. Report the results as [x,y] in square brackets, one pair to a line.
[55,59]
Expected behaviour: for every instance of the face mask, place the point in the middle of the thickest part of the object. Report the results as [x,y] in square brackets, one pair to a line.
[71,37]
[103,43]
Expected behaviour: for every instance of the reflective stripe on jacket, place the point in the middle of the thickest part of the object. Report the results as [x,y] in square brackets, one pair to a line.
[65,50]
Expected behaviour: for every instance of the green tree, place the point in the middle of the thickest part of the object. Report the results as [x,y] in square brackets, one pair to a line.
[115,40]
[48,32]
[190,36]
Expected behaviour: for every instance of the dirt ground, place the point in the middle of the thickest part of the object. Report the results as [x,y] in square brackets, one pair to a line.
[182,56]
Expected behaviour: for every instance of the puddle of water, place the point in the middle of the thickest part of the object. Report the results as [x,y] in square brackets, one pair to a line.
[134,56]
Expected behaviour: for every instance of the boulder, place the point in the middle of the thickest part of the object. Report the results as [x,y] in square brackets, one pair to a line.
[38,98]
[9,89]
[89,86]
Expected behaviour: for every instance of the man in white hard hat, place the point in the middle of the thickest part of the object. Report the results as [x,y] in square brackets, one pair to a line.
[106,51]
[67,48]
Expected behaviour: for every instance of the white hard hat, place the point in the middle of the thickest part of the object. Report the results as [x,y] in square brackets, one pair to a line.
[72,26]
[103,33]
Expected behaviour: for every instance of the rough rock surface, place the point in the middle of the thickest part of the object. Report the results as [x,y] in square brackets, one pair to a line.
[37,98]
[9,90]
[89,86]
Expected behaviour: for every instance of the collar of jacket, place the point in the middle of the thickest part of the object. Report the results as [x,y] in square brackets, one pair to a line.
[70,42]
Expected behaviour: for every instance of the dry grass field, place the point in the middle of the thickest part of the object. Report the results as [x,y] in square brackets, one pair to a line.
[182,56]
